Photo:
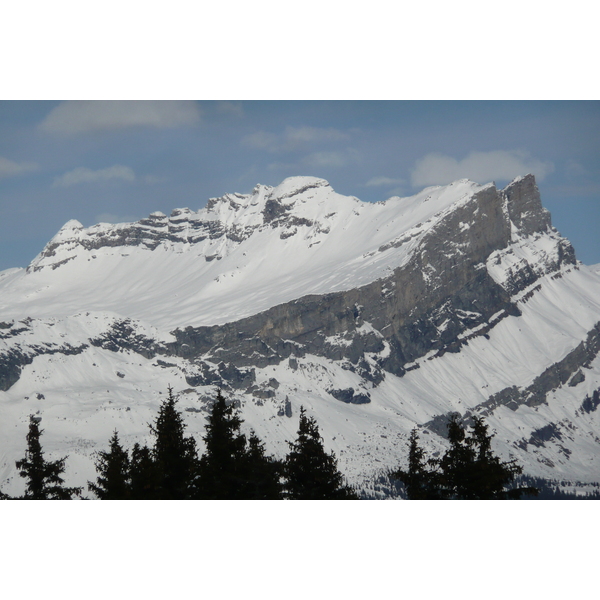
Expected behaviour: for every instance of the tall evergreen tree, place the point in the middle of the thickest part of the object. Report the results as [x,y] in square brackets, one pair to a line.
[457,464]
[114,479]
[223,466]
[145,478]
[491,478]
[234,467]
[311,473]
[44,481]
[468,470]
[174,454]
[421,480]
[263,472]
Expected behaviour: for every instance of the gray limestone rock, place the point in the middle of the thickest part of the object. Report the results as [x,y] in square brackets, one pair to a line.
[350,396]
[442,292]
[525,206]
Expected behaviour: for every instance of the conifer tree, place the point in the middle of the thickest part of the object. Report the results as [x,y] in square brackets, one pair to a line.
[114,479]
[468,470]
[311,473]
[174,454]
[263,472]
[145,477]
[421,480]
[44,481]
[490,477]
[223,466]
[457,464]
[471,471]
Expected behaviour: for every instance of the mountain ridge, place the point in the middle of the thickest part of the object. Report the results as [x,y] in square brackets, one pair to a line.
[317,235]
[377,317]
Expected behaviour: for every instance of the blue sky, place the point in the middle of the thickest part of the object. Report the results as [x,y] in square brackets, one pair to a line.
[118,161]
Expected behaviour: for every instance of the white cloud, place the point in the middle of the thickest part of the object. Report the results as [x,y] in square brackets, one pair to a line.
[85,175]
[293,138]
[10,168]
[82,116]
[384,181]
[482,167]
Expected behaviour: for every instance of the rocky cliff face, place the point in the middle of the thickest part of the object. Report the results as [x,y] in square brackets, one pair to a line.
[379,318]
[437,301]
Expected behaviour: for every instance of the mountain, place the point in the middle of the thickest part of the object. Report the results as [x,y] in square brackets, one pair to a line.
[376,317]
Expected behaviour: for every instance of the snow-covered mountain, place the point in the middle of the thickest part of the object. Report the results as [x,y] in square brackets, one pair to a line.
[376,317]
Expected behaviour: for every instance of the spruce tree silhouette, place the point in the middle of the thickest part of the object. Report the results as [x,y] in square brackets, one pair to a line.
[468,470]
[458,464]
[234,467]
[113,468]
[44,481]
[263,472]
[144,474]
[223,466]
[311,473]
[490,478]
[174,454]
[421,480]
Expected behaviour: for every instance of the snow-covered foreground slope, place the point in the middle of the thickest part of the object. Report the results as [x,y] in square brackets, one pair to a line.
[376,317]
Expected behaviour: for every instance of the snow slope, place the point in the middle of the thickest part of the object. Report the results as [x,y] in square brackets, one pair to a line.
[243,254]
[175,285]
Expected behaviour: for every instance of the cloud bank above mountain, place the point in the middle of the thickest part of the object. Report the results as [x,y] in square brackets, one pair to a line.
[438,169]
[78,117]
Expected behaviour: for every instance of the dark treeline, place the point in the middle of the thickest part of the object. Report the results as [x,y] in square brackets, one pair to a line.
[468,470]
[233,466]
[236,467]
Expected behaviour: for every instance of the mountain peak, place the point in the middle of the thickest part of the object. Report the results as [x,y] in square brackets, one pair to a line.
[72,224]
[294,186]
[525,205]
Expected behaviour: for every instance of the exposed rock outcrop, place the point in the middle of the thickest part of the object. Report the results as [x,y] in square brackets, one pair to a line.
[443,296]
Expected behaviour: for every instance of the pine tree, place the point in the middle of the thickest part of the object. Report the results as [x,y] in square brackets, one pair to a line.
[145,478]
[421,480]
[174,454]
[113,482]
[223,466]
[471,471]
[44,481]
[468,470]
[263,472]
[490,477]
[311,473]
[457,464]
